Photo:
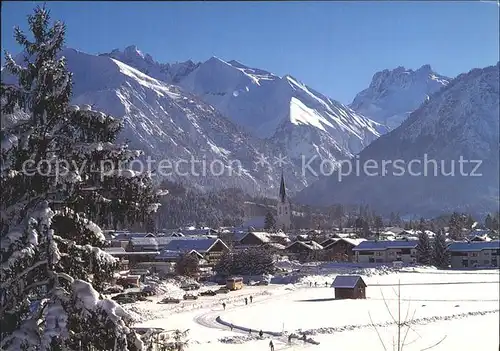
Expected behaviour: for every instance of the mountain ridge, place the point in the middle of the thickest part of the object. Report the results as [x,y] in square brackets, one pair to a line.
[393,94]
[459,121]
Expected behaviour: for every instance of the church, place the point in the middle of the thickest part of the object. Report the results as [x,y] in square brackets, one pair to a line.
[284,215]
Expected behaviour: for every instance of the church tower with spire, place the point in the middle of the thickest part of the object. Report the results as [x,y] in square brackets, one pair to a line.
[284,219]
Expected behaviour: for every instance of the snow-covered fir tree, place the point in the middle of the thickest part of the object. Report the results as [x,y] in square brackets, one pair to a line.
[61,173]
[252,261]
[440,254]
[424,248]
[270,222]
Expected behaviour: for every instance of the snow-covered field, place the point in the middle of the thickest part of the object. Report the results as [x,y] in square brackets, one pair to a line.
[461,307]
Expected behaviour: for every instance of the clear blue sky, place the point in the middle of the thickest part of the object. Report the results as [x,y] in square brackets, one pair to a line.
[335,47]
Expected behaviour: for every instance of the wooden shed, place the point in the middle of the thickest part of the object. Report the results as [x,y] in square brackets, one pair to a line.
[349,287]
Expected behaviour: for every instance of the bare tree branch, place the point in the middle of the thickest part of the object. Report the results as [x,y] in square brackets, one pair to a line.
[376,329]
[436,344]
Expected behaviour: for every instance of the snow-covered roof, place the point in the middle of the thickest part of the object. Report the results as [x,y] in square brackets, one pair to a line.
[474,246]
[127,236]
[142,241]
[279,234]
[347,281]
[328,242]
[198,231]
[238,235]
[392,231]
[114,249]
[174,254]
[311,245]
[353,242]
[262,236]
[277,246]
[189,243]
[133,253]
[385,244]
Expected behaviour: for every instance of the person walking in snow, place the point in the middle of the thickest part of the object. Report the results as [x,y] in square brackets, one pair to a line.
[251,299]
[250,331]
[231,326]
[271,345]
[224,306]
[326,284]
[246,301]
[261,333]
[315,284]
[290,338]
[304,337]
[310,284]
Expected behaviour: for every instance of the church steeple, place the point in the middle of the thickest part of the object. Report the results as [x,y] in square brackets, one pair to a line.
[282,189]
[284,220]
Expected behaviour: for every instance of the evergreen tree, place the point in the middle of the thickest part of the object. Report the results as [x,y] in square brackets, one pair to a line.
[378,224]
[188,265]
[455,226]
[495,223]
[491,221]
[392,219]
[469,222]
[366,230]
[440,254]
[358,225]
[421,225]
[61,173]
[424,249]
[269,223]
[253,261]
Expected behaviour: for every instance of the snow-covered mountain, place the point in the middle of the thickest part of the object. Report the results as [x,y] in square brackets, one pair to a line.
[393,95]
[293,115]
[166,72]
[176,127]
[459,122]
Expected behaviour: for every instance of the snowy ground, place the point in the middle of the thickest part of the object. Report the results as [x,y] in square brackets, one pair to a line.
[461,307]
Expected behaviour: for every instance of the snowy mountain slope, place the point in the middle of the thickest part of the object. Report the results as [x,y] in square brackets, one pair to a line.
[393,95]
[175,126]
[458,122]
[282,109]
[166,72]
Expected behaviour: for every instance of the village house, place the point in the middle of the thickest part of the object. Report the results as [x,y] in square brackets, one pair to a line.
[341,248]
[474,254]
[386,251]
[165,262]
[139,244]
[479,235]
[211,249]
[254,238]
[130,259]
[349,287]
[328,242]
[122,239]
[304,250]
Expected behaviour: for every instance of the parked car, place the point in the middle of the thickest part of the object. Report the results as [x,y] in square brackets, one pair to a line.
[123,282]
[222,290]
[192,286]
[190,297]
[208,293]
[170,300]
[148,291]
[113,289]
[263,282]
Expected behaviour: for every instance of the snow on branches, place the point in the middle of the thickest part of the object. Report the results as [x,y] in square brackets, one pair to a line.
[62,173]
